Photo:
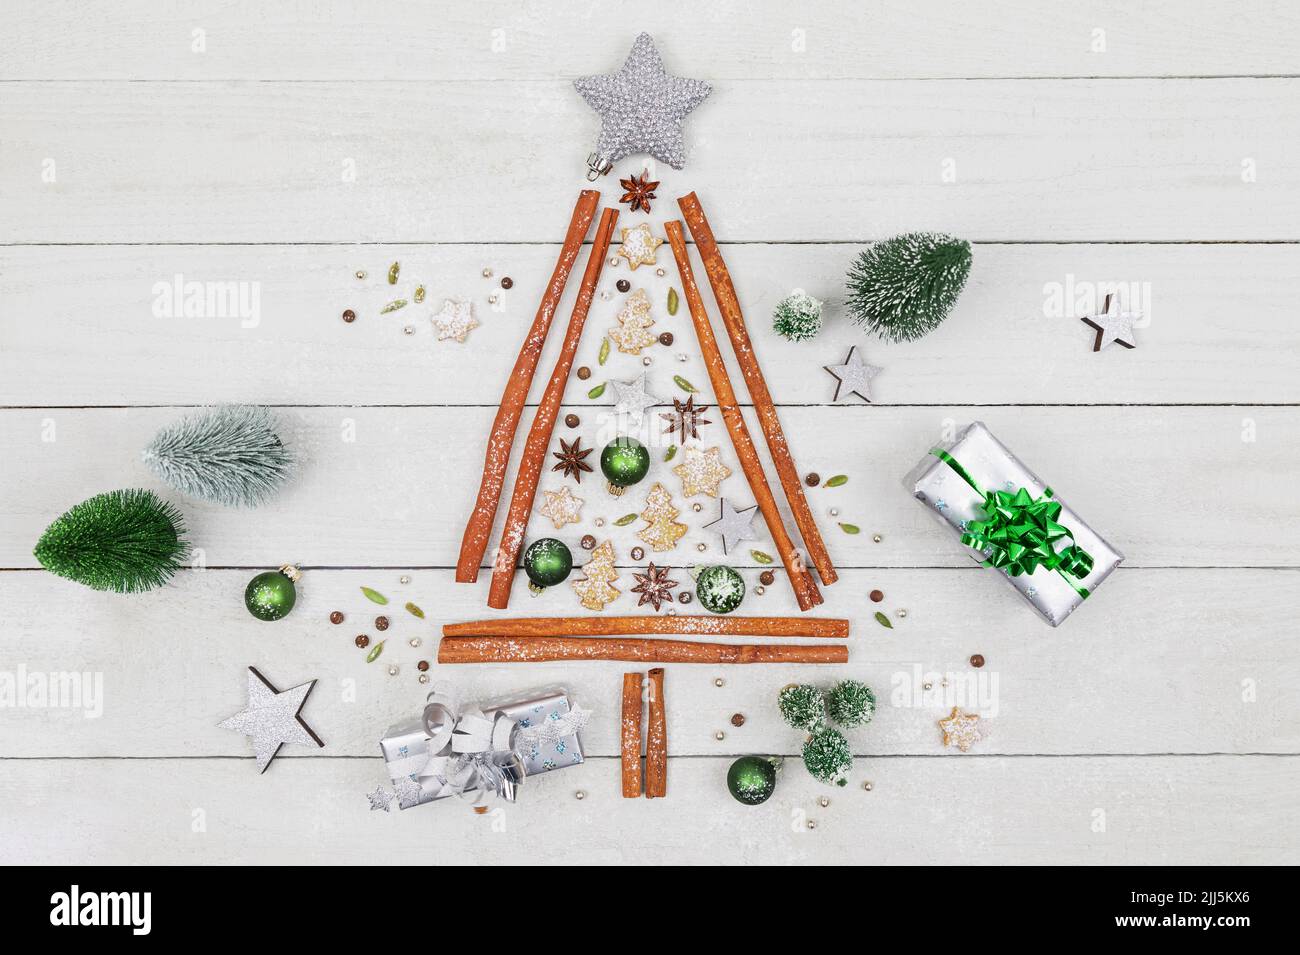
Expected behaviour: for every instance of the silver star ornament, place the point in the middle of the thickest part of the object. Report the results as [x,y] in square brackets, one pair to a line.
[641,109]
[1112,325]
[381,798]
[853,377]
[733,525]
[633,399]
[272,718]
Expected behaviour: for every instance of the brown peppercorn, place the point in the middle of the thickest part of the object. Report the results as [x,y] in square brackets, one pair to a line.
[336,616]
[362,641]
[588,542]
[381,624]
[571,421]
[422,665]
[507,282]
[666,338]
[812,479]
[977,660]
[767,578]
[584,372]
[623,285]
[877,596]
[737,719]
[349,316]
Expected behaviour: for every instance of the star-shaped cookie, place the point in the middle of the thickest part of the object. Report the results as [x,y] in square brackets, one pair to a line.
[960,729]
[455,320]
[561,507]
[701,471]
[639,245]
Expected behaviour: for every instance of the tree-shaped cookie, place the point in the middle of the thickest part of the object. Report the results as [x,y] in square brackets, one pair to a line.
[594,588]
[631,336]
[663,531]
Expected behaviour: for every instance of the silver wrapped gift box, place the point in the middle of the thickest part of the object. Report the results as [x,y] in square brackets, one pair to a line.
[450,750]
[957,480]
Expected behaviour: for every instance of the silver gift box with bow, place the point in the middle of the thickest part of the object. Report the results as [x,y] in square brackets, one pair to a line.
[485,750]
[994,468]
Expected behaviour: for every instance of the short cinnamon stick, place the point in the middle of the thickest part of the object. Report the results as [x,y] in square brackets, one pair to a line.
[805,588]
[544,649]
[539,434]
[502,437]
[630,734]
[656,739]
[729,306]
[821,627]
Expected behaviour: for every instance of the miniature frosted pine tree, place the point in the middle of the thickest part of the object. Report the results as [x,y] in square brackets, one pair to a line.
[230,456]
[125,541]
[904,287]
[663,531]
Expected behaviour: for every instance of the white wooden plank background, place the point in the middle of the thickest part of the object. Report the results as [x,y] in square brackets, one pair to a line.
[1157,725]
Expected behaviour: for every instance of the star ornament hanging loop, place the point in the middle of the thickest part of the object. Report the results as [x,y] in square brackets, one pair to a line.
[641,109]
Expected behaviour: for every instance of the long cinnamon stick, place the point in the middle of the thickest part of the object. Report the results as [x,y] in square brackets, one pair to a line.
[729,305]
[539,434]
[630,734]
[656,739]
[822,627]
[544,649]
[502,436]
[805,588]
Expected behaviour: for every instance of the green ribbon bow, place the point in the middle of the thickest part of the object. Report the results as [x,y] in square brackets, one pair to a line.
[1020,532]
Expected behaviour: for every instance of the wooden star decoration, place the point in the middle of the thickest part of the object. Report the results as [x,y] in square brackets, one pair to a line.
[639,192]
[701,471]
[455,320]
[639,245]
[854,375]
[633,399]
[733,524]
[1113,324]
[561,507]
[272,718]
[960,729]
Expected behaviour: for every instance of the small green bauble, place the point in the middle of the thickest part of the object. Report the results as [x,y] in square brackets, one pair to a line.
[802,706]
[547,562]
[719,588]
[624,462]
[751,779]
[271,595]
[851,703]
[828,757]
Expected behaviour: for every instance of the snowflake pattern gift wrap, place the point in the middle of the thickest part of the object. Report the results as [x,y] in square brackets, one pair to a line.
[1017,524]
[488,749]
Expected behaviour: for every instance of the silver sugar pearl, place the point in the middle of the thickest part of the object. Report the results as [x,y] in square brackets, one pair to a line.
[660,272]
[487,273]
[646,360]
[424,678]
[697,507]
[492,299]
[719,736]
[393,671]
[414,641]
[613,260]
[719,682]
[812,824]
[760,590]
[901,614]
[599,522]
[834,512]
[701,546]
[683,357]
[877,538]
[361,274]
[404,579]
[408,330]
[867,786]
[580,795]
[824,802]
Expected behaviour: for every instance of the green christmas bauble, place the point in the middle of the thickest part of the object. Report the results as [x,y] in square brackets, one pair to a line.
[271,595]
[751,779]
[851,703]
[547,562]
[719,588]
[624,462]
[802,706]
[828,757]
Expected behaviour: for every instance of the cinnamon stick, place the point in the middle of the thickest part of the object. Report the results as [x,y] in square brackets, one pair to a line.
[656,739]
[822,627]
[502,436]
[539,434]
[630,734]
[732,317]
[544,649]
[805,588]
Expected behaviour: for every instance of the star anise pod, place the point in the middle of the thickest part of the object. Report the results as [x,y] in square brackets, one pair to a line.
[639,192]
[685,417]
[654,586]
[571,459]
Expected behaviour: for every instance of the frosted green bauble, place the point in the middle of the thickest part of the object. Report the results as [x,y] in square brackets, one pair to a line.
[271,595]
[752,779]
[828,757]
[720,589]
[851,703]
[624,462]
[547,562]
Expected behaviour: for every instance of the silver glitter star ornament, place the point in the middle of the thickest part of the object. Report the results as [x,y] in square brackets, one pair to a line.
[854,376]
[272,718]
[641,109]
[1113,325]
[633,399]
[381,798]
[733,525]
